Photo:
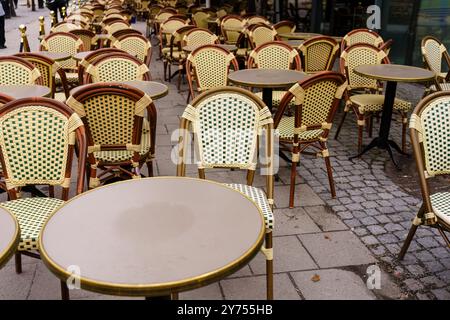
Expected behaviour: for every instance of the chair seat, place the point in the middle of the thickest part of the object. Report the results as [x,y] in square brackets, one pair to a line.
[440,202]
[242,52]
[444,87]
[125,155]
[60,96]
[286,130]
[276,97]
[259,197]
[31,213]
[374,103]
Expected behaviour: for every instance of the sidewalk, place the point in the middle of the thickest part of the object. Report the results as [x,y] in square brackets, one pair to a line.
[322,247]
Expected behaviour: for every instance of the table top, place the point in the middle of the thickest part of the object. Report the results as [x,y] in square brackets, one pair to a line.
[9,236]
[149,237]
[81,55]
[25,90]
[266,78]
[294,43]
[57,56]
[153,89]
[229,47]
[395,72]
[299,35]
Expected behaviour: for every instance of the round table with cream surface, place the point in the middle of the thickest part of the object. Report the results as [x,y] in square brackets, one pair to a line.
[152,237]
[9,236]
[20,91]
[391,73]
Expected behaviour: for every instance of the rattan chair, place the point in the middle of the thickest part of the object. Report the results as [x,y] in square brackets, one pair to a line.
[199,37]
[274,55]
[318,54]
[38,139]
[200,19]
[92,57]
[366,105]
[16,71]
[123,32]
[227,123]
[66,43]
[367,36]
[116,26]
[136,45]
[166,32]
[4,99]
[284,26]
[434,54]
[259,34]
[430,138]
[256,20]
[316,100]
[48,69]
[119,139]
[65,27]
[233,22]
[208,66]
[116,67]
[87,36]
[161,17]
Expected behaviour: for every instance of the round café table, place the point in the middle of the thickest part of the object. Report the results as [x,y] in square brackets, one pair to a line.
[152,237]
[391,73]
[299,35]
[56,56]
[25,90]
[9,236]
[267,79]
[153,89]
[82,54]
[294,43]
[229,47]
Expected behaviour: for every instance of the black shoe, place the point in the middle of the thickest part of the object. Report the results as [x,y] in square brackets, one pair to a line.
[3,47]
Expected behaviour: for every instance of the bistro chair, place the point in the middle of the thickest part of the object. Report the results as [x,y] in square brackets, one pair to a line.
[434,54]
[136,45]
[48,69]
[259,34]
[370,102]
[274,55]
[153,11]
[200,19]
[17,71]
[161,17]
[92,57]
[367,36]
[316,100]
[199,37]
[120,140]
[256,20]
[39,136]
[208,66]
[66,43]
[87,36]
[233,22]
[65,27]
[430,138]
[123,32]
[228,123]
[284,26]
[166,31]
[116,67]
[319,54]
[115,26]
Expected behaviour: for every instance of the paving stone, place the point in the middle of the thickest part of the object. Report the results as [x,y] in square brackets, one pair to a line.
[294,221]
[432,280]
[415,269]
[370,240]
[304,196]
[334,284]
[441,294]
[444,275]
[255,288]
[16,286]
[335,249]
[368,221]
[289,255]
[413,285]
[428,242]
[325,219]
[376,229]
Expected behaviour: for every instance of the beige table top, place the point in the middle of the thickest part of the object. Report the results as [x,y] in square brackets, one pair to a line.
[57,56]
[25,90]
[266,78]
[395,72]
[153,89]
[299,35]
[81,55]
[9,236]
[294,43]
[229,47]
[150,237]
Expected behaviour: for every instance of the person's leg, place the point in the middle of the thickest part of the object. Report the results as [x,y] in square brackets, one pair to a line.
[2,32]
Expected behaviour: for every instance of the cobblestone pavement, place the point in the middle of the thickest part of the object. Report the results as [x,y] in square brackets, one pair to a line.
[336,239]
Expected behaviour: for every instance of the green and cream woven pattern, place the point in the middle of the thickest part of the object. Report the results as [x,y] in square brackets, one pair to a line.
[259,197]
[375,102]
[274,57]
[117,69]
[136,46]
[363,36]
[440,202]
[199,37]
[262,34]
[65,44]
[318,56]
[286,131]
[31,213]
[433,51]
[13,73]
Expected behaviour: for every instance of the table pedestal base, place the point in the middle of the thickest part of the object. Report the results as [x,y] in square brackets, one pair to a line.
[382,144]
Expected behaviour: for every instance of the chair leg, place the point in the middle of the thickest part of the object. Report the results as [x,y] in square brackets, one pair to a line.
[150,168]
[18,261]
[292,187]
[250,177]
[361,123]
[340,125]
[64,291]
[404,126]
[411,233]
[330,175]
[370,126]
[165,70]
[269,265]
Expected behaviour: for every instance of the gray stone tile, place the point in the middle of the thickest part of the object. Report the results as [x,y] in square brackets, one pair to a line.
[325,219]
[334,284]
[293,221]
[255,288]
[303,196]
[335,249]
[16,286]
[289,255]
